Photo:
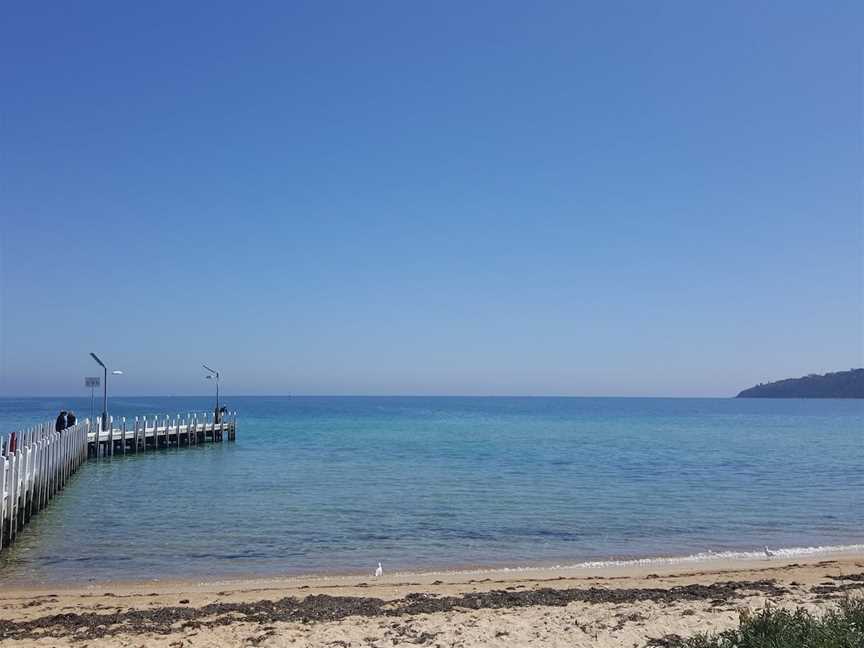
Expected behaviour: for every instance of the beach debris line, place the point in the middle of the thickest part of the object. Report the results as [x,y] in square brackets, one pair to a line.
[841,589]
[324,608]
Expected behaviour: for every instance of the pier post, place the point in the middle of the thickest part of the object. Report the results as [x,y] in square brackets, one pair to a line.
[42,471]
[34,476]
[25,479]
[37,486]
[13,496]
[3,463]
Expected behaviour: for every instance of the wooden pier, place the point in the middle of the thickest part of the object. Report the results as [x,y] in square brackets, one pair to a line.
[137,435]
[35,464]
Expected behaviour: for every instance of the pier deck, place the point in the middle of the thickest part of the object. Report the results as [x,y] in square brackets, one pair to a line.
[160,432]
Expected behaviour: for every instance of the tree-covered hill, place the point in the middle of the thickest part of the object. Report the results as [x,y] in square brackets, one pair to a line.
[840,384]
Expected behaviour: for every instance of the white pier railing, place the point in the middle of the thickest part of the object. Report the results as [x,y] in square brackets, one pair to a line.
[139,434]
[34,466]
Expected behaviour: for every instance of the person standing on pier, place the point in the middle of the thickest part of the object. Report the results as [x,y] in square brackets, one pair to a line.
[70,419]
[60,425]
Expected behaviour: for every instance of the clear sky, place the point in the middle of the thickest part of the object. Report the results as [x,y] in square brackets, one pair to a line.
[642,198]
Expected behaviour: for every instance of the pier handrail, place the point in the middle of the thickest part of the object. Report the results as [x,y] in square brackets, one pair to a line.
[34,470]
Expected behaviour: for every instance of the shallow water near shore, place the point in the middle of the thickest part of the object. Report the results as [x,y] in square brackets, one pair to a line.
[332,485]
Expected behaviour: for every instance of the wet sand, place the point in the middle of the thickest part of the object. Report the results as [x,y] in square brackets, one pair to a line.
[558,607]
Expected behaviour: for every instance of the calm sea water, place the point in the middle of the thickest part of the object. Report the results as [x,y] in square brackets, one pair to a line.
[322,485]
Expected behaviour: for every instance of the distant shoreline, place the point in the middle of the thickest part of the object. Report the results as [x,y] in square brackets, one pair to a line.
[209,397]
[839,384]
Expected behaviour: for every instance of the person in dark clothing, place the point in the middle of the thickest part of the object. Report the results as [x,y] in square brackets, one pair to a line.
[60,425]
[220,413]
[70,419]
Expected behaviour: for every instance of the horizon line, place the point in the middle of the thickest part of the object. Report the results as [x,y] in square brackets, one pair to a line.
[361,396]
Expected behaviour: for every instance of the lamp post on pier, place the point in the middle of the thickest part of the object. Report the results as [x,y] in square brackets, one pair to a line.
[92,382]
[116,372]
[214,376]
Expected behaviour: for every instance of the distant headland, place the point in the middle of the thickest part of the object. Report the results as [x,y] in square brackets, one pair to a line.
[840,384]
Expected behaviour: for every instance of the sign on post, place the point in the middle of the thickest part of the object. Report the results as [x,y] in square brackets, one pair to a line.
[91,381]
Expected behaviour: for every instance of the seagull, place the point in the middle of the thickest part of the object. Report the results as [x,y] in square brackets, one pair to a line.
[768,553]
[380,571]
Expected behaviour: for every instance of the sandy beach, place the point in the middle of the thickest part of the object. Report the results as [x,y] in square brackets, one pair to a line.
[629,606]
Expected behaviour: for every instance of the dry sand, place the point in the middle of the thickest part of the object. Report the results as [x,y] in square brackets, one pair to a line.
[630,607]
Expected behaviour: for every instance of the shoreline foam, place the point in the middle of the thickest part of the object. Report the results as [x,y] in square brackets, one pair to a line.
[721,560]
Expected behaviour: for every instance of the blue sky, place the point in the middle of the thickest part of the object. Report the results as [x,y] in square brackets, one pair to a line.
[440,198]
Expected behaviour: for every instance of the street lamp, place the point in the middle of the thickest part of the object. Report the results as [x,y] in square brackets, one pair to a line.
[214,376]
[116,372]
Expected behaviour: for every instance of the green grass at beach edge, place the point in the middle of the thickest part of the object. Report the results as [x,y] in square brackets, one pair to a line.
[842,627]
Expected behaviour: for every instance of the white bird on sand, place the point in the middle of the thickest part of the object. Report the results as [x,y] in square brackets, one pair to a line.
[379,571]
[768,553]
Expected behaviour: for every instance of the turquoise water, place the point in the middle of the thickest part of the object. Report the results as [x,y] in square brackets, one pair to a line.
[322,485]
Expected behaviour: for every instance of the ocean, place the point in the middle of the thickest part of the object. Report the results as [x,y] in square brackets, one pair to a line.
[330,485]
